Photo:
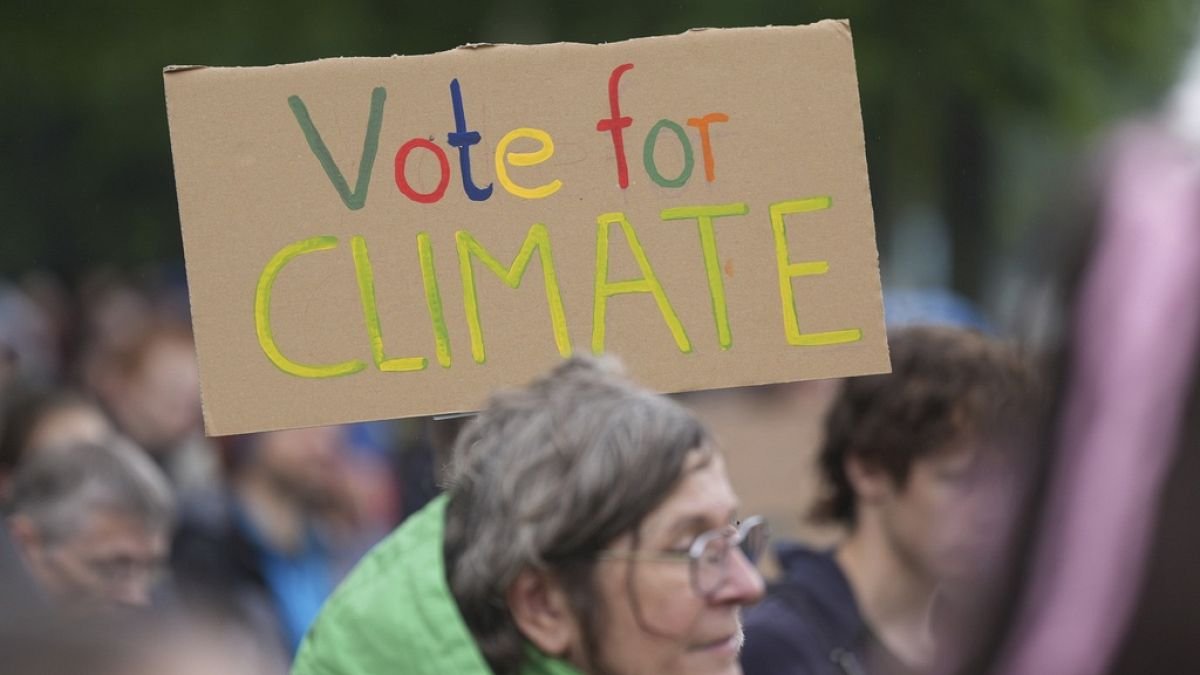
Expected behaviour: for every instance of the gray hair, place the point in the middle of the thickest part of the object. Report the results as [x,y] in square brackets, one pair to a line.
[546,477]
[57,485]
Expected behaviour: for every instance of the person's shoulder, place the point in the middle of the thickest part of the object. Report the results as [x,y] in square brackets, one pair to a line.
[376,591]
[394,612]
[363,619]
[784,629]
[805,615]
[780,642]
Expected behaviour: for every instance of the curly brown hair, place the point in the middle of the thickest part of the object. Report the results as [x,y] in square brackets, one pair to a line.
[947,385]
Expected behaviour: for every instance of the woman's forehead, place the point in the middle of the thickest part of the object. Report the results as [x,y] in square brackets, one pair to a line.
[702,495]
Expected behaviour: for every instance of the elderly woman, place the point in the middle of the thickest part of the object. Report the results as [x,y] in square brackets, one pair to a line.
[588,527]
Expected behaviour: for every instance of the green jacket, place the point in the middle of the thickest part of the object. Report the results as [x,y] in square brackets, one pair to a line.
[394,615]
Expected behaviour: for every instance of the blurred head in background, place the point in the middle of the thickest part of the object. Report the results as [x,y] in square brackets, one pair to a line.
[28,344]
[32,418]
[300,466]
[91,520]
[151,386]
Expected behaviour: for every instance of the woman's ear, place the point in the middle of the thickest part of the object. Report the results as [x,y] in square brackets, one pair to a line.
[543,613]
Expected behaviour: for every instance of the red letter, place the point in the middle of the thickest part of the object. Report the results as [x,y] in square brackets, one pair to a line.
[701,123]
[616,123]
[402,180]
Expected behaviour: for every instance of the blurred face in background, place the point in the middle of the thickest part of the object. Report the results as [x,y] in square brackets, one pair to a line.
[157,402]
[109,558]
[304,463]
[655,620]
[949,520]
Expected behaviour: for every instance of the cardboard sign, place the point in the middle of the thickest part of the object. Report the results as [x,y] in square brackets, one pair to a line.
[372,238]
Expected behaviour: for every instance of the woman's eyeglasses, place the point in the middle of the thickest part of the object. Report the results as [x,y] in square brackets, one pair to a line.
[708,555]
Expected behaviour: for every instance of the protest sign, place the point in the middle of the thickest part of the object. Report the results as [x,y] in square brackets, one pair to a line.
[371,238]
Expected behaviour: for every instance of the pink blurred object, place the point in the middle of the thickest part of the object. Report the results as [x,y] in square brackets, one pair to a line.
[1134,333]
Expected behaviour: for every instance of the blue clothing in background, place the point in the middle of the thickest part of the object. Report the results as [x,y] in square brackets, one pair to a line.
[299,581]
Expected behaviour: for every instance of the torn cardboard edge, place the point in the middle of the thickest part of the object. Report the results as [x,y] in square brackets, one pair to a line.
[843,24]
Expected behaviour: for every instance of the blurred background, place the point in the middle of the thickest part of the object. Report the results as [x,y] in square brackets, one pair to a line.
[981,119]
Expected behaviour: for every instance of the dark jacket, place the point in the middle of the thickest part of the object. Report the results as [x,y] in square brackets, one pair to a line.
[216,567]
[809,623]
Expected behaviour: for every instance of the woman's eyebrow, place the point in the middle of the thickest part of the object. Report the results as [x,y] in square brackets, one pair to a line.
[693,524]
[697,523]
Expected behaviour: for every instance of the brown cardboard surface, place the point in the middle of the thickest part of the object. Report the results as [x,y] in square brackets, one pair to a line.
[284,269]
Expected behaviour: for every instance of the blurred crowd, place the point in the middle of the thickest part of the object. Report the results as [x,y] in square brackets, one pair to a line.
[114,498]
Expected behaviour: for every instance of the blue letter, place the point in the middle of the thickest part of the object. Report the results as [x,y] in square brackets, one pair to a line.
[463,140]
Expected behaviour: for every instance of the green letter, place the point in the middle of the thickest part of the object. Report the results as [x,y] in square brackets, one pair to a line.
[648,155]
[353,200]
[788,270]
[648,283]
[708,241]
[538,238]
[366,293]
[262,314]
[433,299]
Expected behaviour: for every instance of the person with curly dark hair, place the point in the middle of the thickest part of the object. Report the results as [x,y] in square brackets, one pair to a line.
[914,464]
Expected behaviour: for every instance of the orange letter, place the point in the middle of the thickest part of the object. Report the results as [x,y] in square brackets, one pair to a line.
[702,123]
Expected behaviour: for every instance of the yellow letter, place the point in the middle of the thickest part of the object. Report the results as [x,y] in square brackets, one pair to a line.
[366,292]
[708,241]
[538,238]
[525,159]
[788,270]
[647,284]
[262,314]
[433,299]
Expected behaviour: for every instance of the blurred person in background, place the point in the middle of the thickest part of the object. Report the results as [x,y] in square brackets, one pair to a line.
[150,385]
[91,521]
[917,465]
[32,418]
[17,593]
[8,365]
[47,643]
[28,344]
[199,642]
[158,642]
[588,527]
[273,543]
